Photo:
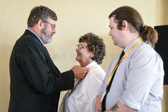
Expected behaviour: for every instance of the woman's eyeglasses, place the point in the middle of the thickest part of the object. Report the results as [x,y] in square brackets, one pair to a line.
[81,46]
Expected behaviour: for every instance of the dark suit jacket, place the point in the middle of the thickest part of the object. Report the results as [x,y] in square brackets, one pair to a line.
[35,82]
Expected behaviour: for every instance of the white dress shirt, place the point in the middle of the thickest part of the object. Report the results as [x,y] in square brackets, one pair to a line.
[83,98]
[138,82]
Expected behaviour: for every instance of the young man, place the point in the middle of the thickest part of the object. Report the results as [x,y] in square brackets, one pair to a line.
[134,82]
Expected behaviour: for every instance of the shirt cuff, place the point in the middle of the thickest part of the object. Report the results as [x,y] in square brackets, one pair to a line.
[129,100]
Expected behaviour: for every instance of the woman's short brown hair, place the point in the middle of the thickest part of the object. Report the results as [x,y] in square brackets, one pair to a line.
[95,45]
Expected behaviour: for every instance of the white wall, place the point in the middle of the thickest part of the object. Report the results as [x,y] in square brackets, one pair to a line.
[75,18]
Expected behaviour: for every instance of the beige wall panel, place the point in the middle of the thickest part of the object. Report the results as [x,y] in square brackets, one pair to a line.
[75,18]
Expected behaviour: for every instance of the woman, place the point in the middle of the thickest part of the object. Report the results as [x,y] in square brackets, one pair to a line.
[90,53]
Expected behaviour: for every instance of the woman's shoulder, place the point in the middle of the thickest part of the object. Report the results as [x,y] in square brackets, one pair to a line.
[97,72]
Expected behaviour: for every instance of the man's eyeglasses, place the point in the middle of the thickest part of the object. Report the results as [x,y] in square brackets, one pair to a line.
[52,25]
[81,46]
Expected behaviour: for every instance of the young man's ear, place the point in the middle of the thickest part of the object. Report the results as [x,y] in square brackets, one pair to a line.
[125,25]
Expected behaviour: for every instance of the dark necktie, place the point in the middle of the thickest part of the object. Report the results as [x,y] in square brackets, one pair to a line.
[108,86]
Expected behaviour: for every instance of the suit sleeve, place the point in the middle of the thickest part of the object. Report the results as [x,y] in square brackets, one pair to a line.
[41,72]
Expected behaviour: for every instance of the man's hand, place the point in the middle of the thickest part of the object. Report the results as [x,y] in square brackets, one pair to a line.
[98,105]
[80,72]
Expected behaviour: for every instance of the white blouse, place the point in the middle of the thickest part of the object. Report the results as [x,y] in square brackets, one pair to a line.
[83,98]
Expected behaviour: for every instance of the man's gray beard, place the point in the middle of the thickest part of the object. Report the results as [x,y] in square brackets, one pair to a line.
[48,40]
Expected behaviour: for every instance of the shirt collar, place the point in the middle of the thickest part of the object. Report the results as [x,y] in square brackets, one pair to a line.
[36,36]
[91,64]
[131,44]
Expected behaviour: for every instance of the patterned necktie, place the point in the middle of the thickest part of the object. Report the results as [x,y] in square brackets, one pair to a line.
[75,85]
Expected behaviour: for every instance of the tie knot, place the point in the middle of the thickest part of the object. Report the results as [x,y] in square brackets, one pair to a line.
[122,54]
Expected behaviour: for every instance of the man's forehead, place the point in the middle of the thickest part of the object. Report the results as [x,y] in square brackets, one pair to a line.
[51,20]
